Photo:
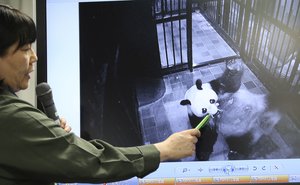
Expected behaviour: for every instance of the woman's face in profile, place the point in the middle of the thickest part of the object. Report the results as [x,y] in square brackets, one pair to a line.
[16,66]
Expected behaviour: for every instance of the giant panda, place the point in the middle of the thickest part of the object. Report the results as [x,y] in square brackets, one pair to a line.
[202,99]
[248,121]
[243,121]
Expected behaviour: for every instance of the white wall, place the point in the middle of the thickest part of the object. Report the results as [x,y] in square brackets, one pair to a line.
[28,7]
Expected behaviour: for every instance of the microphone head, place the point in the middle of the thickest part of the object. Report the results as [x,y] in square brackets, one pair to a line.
[44,95]
[42,89]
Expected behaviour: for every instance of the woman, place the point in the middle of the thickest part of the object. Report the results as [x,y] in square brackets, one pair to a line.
[35,150]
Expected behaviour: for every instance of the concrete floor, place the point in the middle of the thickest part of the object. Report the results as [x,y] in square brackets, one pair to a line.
[207,43]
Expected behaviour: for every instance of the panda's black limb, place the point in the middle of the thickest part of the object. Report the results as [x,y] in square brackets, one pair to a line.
[239,147]
[217,86]
[205,144]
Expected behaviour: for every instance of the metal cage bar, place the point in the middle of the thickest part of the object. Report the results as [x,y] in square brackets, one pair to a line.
[265,33]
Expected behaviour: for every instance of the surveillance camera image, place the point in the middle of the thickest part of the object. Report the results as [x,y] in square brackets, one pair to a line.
[152,68]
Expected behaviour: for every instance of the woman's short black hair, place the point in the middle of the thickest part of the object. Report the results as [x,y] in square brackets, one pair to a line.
[15,26]
[1,83]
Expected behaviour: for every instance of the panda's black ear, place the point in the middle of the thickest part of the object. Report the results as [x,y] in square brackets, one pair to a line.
[185,102]
[199,84]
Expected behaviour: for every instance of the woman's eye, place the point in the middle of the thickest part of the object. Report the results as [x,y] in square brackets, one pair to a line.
[26,48]
[212,101]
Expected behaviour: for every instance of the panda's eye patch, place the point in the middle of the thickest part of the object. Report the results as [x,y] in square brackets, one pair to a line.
[204,110]
[212,101]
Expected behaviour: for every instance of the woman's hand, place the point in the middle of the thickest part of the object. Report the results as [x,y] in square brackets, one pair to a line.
[178,145]
[64,125]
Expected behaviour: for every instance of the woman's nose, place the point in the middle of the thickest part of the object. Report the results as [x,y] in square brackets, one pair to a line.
[34,57]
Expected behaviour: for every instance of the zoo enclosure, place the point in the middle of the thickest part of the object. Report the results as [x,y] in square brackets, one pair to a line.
[265,33]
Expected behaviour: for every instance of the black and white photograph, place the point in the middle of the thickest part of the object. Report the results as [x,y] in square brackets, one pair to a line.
[152,68]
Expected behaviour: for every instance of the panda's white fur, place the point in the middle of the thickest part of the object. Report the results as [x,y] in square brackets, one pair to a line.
[246,112]
[200,99]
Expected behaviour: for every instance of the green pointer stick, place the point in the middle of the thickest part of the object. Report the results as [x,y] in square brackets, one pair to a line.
[203,122]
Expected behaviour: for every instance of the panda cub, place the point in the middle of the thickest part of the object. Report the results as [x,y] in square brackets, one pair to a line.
[202,99]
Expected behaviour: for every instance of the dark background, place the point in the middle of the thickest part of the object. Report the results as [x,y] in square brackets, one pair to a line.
[118,45]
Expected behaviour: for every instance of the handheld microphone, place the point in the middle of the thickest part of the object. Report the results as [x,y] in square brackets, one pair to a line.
[44,95]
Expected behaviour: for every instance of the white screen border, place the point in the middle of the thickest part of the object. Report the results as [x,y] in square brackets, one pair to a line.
[63,57]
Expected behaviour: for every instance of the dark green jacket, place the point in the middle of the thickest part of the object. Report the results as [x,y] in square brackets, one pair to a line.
[35,150]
